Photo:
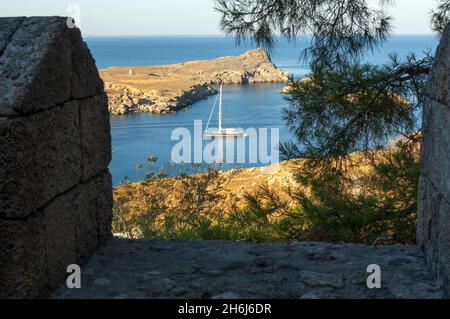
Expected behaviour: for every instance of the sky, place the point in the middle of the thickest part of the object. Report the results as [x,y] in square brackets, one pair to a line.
[176,17]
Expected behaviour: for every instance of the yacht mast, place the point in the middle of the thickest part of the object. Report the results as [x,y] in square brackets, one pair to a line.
[220,107]
[220,131]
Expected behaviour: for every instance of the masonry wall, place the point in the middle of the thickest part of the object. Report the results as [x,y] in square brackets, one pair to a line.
[434,189]
[55,148]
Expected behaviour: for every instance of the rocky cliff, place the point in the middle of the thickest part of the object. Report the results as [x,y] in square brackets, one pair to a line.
[170,88]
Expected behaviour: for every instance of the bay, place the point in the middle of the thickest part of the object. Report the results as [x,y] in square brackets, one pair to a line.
[138,137]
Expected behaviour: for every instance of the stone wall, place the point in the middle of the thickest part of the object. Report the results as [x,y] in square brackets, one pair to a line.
[55,148]
[434,189]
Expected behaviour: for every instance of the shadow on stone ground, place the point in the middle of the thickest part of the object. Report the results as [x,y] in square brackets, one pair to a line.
[226,270]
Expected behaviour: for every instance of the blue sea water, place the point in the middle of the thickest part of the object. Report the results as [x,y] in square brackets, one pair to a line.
[137,137]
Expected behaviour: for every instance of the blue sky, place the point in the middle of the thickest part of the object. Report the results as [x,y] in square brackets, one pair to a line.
[178,17]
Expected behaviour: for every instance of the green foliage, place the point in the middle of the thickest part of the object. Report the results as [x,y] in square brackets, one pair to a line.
[198,211]
[357,107]
[259,220]
[338,29]
[360,206]
[364,203]
[144,210]
[441,16]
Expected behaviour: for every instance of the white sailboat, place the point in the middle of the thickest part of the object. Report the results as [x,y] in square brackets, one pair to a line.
[221,131]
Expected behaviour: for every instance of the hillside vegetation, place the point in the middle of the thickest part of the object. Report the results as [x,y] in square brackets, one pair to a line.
[375,198]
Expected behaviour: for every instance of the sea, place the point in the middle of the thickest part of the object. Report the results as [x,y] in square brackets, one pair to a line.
[136,138]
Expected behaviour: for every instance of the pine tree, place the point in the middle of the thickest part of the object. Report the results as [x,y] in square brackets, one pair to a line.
[346,107]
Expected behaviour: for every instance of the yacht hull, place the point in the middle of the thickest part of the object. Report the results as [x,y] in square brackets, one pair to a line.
[228,132]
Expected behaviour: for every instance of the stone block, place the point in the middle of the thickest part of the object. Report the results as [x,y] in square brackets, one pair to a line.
[60,239]
[435,163]
[76,223]
[439,84]
[36,66]
[433,231]
[96,135]
[86,227]
[90,208]
[8,26]
[40,158]
[433,226]
[428,206]
[86,81]
[35,252]
[101,195]
[55,189]
[22,257]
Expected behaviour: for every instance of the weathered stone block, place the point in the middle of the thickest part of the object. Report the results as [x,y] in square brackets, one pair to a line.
[60,239]
[86,81]
[436,145]
[35,252]
[439,84]
[35,68]
[86,225]
[76,223]
[433,227]
[443,243]
[433,231]
[22,257]
[96,135]
[87,212]
[429,201]
[55,190]
[86,231]
[40,158]
[8,26]
[101,196]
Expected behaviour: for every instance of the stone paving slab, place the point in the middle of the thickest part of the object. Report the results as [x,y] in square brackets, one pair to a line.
[141,269]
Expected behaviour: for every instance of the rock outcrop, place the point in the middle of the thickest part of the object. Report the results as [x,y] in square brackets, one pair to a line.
[55,187]
[170,88]
[434,190]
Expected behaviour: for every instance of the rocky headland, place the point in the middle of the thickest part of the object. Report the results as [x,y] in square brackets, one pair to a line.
[171,88]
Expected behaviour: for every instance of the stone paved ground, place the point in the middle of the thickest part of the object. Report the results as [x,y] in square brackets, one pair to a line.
[201,269]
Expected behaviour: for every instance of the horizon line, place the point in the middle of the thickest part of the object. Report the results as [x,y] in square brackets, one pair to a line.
[216,35]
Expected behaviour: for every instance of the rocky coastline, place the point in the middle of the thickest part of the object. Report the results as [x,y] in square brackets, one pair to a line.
[171,88]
